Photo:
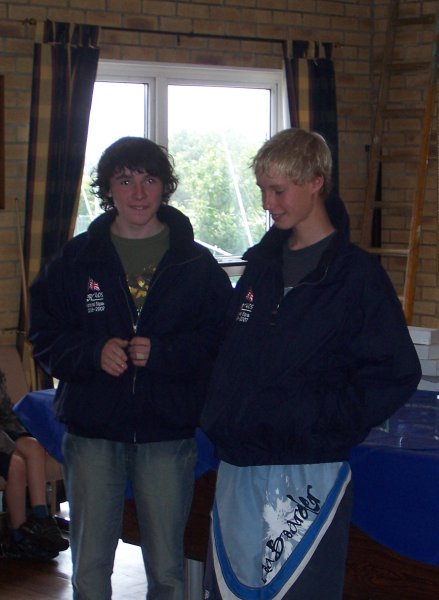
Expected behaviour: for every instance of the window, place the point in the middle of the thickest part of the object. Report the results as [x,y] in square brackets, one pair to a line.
[212,120]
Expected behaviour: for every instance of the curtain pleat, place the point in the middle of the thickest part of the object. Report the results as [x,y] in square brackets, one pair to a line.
[312,100]
[64,71]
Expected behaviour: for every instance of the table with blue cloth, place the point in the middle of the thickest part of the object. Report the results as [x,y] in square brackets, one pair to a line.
[396,481]
[36,412]
[395,474]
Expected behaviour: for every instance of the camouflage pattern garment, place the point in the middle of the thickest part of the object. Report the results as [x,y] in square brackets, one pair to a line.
[8,420]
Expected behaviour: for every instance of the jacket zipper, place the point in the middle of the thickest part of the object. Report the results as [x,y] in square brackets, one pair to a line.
[152,285]
[135,322]
[275,311]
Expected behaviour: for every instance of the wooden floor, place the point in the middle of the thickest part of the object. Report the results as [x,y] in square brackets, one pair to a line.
[33,580]
[373,573]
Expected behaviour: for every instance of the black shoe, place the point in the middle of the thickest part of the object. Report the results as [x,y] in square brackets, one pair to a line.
[26,549]
[45,533]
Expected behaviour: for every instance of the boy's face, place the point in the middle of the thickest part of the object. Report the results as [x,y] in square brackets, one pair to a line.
[137,197]
[290,205]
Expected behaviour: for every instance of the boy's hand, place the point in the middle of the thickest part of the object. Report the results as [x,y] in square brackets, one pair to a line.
[114,360]
[139,349]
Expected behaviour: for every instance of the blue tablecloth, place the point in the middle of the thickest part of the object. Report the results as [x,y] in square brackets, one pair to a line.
[396,481]
[395,471]
[35,411]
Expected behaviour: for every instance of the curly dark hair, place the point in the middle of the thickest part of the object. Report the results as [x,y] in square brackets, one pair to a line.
[136,154]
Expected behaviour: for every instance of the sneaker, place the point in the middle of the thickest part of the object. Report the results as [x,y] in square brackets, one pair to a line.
[45,533]
[27,549]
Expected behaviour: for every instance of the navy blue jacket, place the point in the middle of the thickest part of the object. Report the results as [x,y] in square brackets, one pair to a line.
[303,378]
[81,300]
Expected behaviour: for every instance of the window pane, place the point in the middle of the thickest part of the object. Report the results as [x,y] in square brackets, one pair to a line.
[118,109]
[214,132]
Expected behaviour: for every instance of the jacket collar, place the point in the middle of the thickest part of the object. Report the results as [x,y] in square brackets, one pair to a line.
[269,249]
[181,234]
[270,246]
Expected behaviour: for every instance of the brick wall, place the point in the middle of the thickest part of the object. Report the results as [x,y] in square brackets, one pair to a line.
[408,93]
[356,26]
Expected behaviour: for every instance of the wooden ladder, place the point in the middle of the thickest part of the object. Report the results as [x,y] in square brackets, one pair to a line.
[399,153]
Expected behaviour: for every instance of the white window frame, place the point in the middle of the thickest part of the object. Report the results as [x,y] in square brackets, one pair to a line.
[159,76]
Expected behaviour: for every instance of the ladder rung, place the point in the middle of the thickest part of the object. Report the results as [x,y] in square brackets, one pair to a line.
[401,113]
[400,157]
[388,251]
[398,67]
[422,20]
[392,204]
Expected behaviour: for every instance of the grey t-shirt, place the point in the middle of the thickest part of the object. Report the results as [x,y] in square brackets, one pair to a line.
[298,263]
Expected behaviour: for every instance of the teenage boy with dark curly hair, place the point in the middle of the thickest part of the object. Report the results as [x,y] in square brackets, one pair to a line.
[128,317]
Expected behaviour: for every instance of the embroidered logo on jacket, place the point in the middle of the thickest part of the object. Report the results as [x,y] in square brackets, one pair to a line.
[95,298]
[246,308]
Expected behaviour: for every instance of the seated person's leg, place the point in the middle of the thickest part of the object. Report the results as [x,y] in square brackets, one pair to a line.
[22,545]
[36,535]
[15,492]
[39,525]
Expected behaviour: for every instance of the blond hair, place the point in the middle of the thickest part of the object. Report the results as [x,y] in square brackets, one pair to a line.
[297,154]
